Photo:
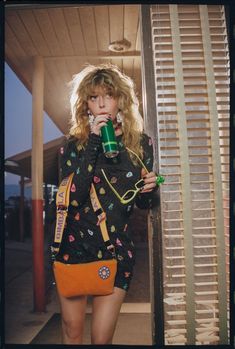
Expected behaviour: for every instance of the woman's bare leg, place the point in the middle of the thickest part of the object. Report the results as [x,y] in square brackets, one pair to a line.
[105,315]
[73,311]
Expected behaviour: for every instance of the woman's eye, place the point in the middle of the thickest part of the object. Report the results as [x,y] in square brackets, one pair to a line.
[109,95]
[93,98]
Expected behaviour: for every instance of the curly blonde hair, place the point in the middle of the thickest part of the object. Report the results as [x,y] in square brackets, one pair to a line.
[121,87]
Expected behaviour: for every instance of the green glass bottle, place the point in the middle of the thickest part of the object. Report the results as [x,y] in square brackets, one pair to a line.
[109,141]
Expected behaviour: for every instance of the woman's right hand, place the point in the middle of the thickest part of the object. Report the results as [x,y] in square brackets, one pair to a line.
[100,121]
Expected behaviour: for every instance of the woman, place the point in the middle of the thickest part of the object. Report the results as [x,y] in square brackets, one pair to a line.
[100,93]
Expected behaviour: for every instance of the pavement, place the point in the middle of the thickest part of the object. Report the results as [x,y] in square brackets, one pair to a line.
[23,324]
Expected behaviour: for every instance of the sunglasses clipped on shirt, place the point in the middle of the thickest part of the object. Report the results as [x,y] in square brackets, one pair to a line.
[130,194]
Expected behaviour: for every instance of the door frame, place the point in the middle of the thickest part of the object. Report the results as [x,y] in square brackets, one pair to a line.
[154,217]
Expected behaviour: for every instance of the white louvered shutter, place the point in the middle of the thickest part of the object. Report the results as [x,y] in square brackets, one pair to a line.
[191,64]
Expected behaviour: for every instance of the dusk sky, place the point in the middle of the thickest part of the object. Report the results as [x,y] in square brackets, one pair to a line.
[18,120]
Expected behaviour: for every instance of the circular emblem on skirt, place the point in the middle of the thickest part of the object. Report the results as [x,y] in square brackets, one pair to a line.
[104,272]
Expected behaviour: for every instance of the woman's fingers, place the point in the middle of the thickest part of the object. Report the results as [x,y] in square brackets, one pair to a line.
[150,177]
[100,121]
[150,182]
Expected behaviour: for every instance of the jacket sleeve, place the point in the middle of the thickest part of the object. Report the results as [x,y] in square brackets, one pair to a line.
[144,200]
[80,160]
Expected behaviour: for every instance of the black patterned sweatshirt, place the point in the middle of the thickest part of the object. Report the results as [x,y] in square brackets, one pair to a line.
[82,239]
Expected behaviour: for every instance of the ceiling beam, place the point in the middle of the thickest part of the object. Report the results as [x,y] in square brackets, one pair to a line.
[98,56]
[21,6]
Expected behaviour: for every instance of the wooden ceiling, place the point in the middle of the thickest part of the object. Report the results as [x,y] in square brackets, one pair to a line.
[68,37]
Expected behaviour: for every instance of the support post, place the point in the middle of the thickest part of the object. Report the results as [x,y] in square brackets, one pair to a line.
[21,209]
[46,208]
[37,186]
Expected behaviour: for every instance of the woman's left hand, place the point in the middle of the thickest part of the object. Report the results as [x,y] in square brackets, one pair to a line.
[150,182]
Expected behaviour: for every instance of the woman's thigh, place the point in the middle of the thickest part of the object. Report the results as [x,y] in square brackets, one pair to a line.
[73,311]
[105,313]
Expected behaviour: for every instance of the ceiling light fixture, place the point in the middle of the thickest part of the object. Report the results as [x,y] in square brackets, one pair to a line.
[119,46]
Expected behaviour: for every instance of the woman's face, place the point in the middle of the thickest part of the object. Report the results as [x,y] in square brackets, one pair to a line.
[101,102]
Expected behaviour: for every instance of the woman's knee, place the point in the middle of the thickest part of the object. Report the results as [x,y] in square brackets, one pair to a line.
[72,329]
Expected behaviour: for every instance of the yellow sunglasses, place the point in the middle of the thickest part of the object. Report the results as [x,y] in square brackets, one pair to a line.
[131,193]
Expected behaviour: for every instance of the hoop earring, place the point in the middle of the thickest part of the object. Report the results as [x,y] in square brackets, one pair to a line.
[119,118]
[91,117]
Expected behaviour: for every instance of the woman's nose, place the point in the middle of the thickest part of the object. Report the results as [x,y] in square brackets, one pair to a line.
[101,102]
